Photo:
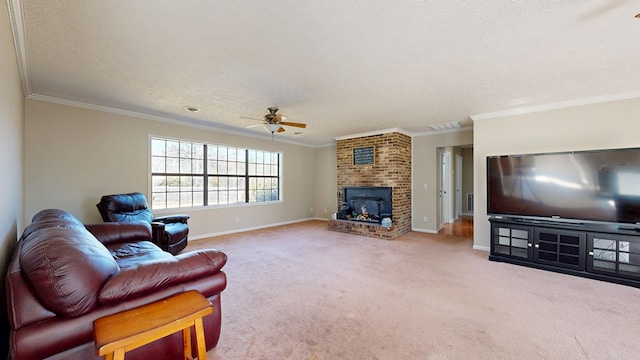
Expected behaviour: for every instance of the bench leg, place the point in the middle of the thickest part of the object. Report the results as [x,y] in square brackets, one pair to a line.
[202,348]
[117,355]
[186,343]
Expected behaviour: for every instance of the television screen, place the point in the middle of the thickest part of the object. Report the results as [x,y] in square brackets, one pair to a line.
[602,185]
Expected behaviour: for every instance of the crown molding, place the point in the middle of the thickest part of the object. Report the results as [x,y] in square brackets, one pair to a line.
[201,124]
[17,29]
[373,133]
[440,132]
[557,105]
[405,132]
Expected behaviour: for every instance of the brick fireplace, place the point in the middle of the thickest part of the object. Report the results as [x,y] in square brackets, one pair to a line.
[382,160]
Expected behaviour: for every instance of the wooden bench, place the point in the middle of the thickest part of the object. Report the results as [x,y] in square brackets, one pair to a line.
[127,330]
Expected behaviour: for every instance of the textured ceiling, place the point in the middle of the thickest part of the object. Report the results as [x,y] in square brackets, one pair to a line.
[343,67]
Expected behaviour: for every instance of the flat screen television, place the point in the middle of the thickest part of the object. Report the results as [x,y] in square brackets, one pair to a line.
[580,186]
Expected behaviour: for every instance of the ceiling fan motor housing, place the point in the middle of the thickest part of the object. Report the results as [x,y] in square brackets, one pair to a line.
[271,116]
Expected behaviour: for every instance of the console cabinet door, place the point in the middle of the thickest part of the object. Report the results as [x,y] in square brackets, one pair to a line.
[511,240]
[613,255]
[557,247]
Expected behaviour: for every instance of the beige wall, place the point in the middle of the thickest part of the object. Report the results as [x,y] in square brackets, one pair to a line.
[424,162]
[75,155]
[11,164]
[597,126]
[465,173]
[72,156]
[325,180]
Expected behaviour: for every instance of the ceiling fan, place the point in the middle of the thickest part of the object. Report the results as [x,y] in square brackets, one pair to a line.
[273,121]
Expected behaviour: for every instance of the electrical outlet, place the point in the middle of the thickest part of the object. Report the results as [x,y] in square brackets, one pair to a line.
[426,219]
[325,211]
[425,186]
[237,218]
[311,210]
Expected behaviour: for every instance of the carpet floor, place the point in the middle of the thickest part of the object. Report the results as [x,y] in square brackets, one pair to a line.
[302,292]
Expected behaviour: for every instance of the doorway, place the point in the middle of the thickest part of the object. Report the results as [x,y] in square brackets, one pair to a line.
[458,186]
[455,183]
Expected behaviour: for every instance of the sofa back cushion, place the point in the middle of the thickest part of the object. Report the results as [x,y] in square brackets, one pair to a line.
[51,218]
[65,265]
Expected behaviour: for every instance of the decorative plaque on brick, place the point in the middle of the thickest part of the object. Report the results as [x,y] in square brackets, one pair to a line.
[364,155]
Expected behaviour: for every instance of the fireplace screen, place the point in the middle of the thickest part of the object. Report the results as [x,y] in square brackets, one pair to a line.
[370,204]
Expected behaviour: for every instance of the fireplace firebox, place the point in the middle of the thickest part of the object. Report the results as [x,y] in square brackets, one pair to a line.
[368,204]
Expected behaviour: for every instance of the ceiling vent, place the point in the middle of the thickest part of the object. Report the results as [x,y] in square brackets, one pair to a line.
[445,126]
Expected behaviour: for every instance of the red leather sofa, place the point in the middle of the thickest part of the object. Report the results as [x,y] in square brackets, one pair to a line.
[64,275]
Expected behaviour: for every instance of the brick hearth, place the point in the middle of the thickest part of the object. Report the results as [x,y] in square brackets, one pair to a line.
[392,167]
[362,228]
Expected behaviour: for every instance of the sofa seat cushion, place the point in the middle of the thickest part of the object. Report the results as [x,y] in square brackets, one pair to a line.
[128,254]
[66,267]
[150,276]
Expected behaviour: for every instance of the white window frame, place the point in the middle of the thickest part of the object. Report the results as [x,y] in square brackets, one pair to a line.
[188,174]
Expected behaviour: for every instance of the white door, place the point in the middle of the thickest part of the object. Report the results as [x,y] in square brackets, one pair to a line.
[446,186]
[458,186]
[440,160]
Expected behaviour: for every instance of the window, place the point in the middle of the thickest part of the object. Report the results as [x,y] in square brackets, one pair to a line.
[188,174]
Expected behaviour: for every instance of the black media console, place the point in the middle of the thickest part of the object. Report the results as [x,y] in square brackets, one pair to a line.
[598,251]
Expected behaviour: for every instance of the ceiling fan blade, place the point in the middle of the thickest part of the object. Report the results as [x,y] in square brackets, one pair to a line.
[256,125]
[281,129]
[250,118]
[300,125]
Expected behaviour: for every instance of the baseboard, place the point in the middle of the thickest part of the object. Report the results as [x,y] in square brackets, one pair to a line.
[205,236]
[234,231]
[483,248]
[425,230]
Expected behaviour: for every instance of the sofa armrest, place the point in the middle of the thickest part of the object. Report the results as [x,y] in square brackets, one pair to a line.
[108,233]
[169,219]
[148,277]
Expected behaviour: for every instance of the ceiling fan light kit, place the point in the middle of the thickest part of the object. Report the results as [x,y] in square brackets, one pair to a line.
[272,127]
[273,121]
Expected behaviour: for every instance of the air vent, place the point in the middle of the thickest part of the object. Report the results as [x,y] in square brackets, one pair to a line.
[445,126]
